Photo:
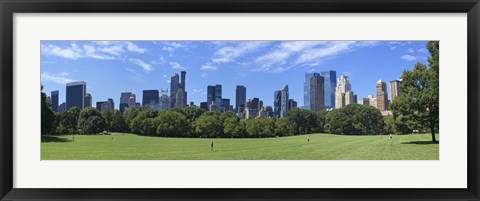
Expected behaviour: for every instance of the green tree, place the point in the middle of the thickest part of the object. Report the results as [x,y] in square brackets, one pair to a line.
[283,127]
[233,127]
[268,127]
[129,115]
[254,127]
[321,121]
[93,125]
[209,125]
[419,92]
[85,115]
[136,124]
[192,112]
[173,124]
[355,119]
[67,121]
[48,117]
[304,120]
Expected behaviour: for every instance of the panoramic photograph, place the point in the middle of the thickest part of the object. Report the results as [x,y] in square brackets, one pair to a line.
[239,100]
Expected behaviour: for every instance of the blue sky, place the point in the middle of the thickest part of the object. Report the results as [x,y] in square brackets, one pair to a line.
[112,67]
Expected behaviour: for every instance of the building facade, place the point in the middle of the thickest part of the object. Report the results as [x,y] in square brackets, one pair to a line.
[240,96]
[88,100]
[317,93]
[54,97]
[277,103]
[75,95]
[330,80]
[284,102]
[150,97]
[382,100]
[124,101]
[343,86]
[306,91]
[394,89]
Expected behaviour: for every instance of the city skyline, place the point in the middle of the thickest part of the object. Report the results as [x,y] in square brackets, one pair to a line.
[56,57]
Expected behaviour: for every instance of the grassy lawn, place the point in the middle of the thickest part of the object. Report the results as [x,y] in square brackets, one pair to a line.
[321,147]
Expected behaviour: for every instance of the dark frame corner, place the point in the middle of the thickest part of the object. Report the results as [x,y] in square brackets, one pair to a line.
[9,7]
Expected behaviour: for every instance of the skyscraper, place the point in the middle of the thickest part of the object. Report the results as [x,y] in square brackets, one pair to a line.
[203,105]
[111,104]
[180,99]
[214,94]
[330,80]
[292,104]
[343,86]
[349,98]
[75,95]
[277,103]
[306,91]
[164,100]
[182,86]
[284,102]
[150,97]
[225,104]
[174,84]
[240,96]
[124,100]
[317,93]
[132,100]
[54,97]
[88,100]
[382,100]
[394,89]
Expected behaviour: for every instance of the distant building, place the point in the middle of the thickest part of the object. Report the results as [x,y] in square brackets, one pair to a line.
[277,103]
[132,101]
[150,97]
[213,106]
[62,107]
[225,105]
[330,83]
[88,100]
[262,113]
[124,101]
[250,113]
[269,111]
[394,89]
[111,104]
[204,105]
[291,104]
[214,94]
[240,96]
[317,93]
[104,106]
[372,101]
[177,90]
[180,99]
[54,97]
[164,102]
[174,84]
[75,95]
[284,102]
[382,100]
[343,86]
[306,91]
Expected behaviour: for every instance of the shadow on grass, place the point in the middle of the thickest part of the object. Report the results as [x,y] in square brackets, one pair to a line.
[55,139]
[421,142]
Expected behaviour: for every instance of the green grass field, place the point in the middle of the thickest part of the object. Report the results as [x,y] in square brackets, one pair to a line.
[320,147]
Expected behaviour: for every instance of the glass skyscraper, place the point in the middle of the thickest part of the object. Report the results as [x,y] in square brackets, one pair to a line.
[330,80]
[76,95]
[54,96]
[240,96]
[214,94]
[150,97]
[306,91]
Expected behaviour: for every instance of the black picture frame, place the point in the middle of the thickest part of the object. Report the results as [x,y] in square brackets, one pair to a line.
[10,7]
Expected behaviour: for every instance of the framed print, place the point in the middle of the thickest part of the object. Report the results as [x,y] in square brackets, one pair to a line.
[263,100]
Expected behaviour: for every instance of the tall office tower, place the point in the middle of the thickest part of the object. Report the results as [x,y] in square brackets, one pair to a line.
[225,104]
[291,104]
[182,86]
[111,105]
[210,96]
[124,100]
[218,96]
[164,100]
[180,99]
[330,80]
[240,96]
[382,100]
[364,101]
[343,86]
[306,91]
[75,95]
[277,103]
[317,93]
[132,100]
[269,111]
[284,101]
[349,98]
[204,105]
[88,100]
[150,97]
[255,104]
[54,97]
[174,84]
[213,106]
[394,89]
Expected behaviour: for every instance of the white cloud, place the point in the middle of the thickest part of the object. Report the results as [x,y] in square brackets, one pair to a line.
[60,78]
[165,75]
[208,66]
[204,74]
[409,57]
[230,53]
[134,48]
[196,91]
[423,50]
[146,67]
[104,50]
[176,65]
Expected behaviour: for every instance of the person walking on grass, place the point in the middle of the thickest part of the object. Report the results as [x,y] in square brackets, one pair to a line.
[308,139]
[390,136]
[211,146]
